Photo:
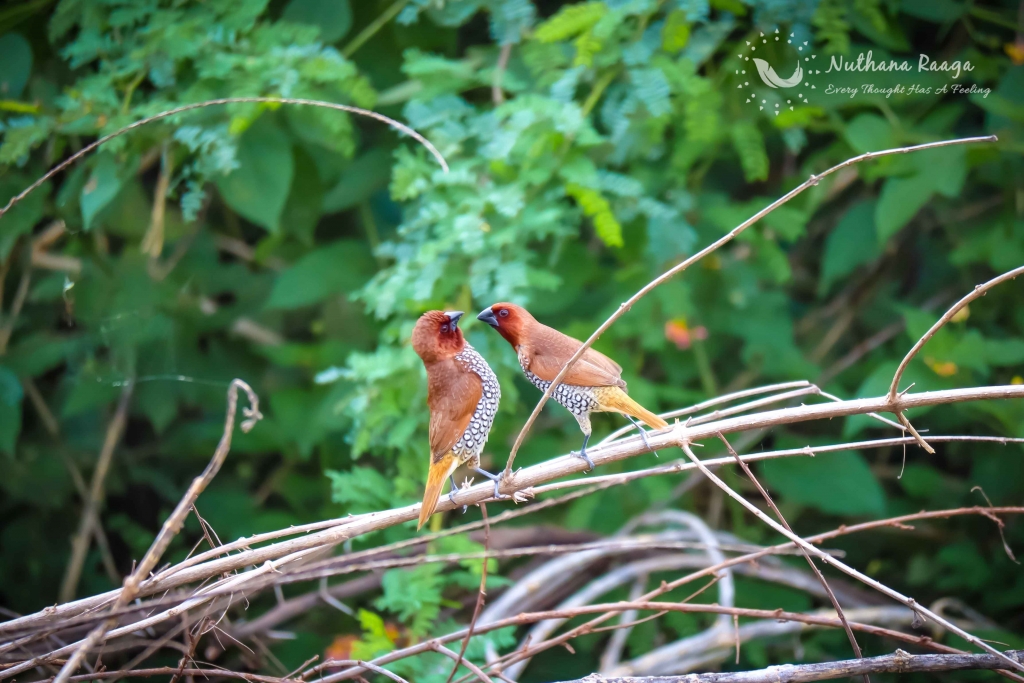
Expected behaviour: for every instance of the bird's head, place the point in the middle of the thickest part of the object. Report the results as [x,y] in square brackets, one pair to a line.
[508,319]
[437,336]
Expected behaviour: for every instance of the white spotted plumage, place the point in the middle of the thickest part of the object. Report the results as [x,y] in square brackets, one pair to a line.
[580,401]
[471,443]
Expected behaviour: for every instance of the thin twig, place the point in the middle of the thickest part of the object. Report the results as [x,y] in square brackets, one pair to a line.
[459,659]
[898,662]
[612,608]
[171,526]
[210,103]
[480,594]
[20,295]
[497,93]
[369,666]
[817,572]
[846,569]
[810,182]
[91,507]
[978,291]
[684,465]
[338,531]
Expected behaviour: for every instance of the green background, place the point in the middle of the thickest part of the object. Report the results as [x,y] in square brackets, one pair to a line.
[302,243]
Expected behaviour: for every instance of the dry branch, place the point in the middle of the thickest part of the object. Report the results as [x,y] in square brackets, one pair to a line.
[814,568]
[91,510]
[846,569]
[664,277]
[169,530]
[898,662]
[211,103]
[345,528]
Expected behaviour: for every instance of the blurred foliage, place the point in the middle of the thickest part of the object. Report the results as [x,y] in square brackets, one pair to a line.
[592,145]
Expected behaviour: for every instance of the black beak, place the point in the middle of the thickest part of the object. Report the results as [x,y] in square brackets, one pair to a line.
[487,315]
[453,317]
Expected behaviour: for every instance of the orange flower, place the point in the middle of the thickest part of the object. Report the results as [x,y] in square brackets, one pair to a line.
[940,368]
[682,336]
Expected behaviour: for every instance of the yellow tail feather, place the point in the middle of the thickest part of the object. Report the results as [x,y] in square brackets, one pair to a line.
[439,471]
[614,399]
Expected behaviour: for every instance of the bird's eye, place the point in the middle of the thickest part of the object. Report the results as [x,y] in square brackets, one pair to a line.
[444,328]
[503,313]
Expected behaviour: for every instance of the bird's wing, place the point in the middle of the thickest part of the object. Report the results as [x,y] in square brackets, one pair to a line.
[549,350]
[452,395]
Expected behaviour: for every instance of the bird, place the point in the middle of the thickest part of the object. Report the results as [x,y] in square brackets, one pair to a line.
[593,384]
[462,395]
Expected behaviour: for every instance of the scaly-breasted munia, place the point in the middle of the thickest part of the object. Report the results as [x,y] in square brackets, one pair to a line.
[593,384]
[462,394]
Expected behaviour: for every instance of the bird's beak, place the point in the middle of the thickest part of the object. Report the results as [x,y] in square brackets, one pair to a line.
[453,316]
[487,315]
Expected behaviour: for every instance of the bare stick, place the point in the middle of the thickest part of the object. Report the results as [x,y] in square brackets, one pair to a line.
[438,647]
[497,92]
[611,608]
[867,580]
[898,662]
[684,465]
[978,291]
[172,526]
[480,594]
[370,666]
[20,296]
[817,572]
[810,182]
[338,531]
[224,100]
[91,509]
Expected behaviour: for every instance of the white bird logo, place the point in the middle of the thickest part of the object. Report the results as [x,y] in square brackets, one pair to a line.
[772,80]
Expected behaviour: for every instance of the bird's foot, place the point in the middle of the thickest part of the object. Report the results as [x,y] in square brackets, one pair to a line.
[643,435]
[495,479]
[583,454]
[451,494]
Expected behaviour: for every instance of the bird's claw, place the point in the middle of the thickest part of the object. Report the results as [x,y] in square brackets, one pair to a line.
[583,454]
[495,479]
[643,435]
[451,497]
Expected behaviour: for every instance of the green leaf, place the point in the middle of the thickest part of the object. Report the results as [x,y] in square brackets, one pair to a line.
[362,489]
[15,65]
[258,188]
[10,410]
[570,21]
[599,210]
[23,216]
[870,133]
[749,145]
[836,483]
[366,174]
[899,202]
[332,17]
[941,170]
[103,185]
[302,211]
[676,33]
[413,594]
[852,243]
[340,267]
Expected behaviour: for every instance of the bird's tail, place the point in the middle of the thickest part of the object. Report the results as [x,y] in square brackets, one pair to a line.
[439,471]
[614,399]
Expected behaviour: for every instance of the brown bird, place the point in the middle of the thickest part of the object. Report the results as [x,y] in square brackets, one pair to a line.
[593,384]
[462,394]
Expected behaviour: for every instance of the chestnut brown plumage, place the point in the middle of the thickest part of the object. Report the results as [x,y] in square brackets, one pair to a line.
[592,385]
[462,394]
